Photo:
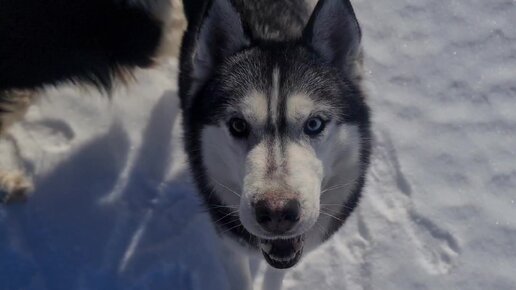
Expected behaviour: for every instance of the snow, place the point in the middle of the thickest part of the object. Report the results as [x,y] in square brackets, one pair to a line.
[115,208]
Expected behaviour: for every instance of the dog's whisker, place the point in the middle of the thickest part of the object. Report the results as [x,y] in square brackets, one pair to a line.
[319,229]
[219,208]
[341,184]
[331,210]
[226,187]
[231,228]
[332,216]
[335,205]
[229,214]
[335,213]
[224,206]
[211,193]
[339,207]
[230,222]
[335,187]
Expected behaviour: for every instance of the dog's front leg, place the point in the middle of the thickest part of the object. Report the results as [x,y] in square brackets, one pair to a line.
[236,265]
[14,184]
[273,279]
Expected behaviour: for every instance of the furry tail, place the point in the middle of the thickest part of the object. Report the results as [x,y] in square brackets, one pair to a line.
[49,42]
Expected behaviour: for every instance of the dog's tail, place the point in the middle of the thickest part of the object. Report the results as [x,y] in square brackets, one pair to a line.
[87,41]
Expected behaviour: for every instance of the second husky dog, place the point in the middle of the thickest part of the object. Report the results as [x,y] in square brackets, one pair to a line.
[97,42]
[276,125]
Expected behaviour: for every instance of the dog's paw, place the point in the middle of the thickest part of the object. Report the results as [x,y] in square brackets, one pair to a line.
[15,186]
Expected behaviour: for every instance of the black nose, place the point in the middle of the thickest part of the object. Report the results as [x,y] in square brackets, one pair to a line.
[277,216]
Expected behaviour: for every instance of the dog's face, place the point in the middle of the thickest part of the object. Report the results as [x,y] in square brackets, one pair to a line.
[272,125]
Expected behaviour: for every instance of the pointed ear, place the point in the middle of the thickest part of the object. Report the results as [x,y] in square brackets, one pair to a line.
[333,32]
[220,35]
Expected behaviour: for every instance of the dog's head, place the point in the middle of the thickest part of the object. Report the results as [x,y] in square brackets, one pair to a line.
[271,125]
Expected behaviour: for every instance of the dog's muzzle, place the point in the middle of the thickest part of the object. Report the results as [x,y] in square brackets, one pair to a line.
[283,254]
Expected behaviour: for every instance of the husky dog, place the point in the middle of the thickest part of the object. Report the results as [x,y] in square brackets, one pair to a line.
[276,126]
[80,41]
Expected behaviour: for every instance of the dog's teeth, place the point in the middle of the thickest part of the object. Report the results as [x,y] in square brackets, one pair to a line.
[266,247]
[284,259]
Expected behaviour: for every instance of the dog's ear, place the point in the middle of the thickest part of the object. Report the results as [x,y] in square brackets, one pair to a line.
[221,34]
[334,33]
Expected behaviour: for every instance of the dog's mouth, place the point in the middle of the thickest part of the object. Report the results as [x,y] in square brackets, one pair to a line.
[283,254]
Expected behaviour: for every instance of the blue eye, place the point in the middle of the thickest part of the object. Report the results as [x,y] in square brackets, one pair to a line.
[314,126]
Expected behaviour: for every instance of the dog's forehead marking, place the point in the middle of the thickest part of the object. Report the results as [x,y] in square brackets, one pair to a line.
[274,96]
[273,139]
[254,107]
[299,106]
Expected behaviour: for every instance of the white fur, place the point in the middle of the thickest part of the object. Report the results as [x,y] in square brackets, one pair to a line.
[300,105]
[224,160]
[273,279]
[339,154]
[275,94]
[238,263]
[253,107]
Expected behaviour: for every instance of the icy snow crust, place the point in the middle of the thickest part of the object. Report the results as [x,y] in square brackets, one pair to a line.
[115,208]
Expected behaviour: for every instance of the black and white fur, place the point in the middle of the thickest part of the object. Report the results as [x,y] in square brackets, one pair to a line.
[256,78]
[49,42]
[81,41]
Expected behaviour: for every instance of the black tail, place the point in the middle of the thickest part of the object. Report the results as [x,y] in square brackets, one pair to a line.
[48,42]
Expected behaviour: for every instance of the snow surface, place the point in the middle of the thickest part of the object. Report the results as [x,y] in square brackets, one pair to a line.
[115,209]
